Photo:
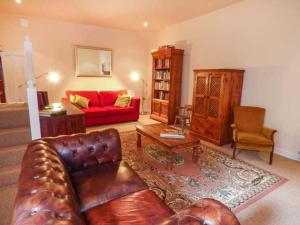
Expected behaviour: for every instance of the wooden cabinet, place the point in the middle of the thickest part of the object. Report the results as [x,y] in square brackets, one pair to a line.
[71,123]
[166,83]
[216,93]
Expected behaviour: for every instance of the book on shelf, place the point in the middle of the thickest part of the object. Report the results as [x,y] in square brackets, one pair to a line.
[167,63]
[172,134]
[162,63]
[162,85]
[162,75]
[163,95]
[166,97]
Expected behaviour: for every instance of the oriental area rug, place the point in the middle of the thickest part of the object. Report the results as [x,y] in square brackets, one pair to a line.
[235,183]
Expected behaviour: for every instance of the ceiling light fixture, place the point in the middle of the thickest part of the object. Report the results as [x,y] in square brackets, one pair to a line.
[145,24]
[19,1]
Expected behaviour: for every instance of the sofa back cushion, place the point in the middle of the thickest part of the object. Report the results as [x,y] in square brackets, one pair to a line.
[108,98]
[91,95]
[82,151]
[249,118]
[45,194]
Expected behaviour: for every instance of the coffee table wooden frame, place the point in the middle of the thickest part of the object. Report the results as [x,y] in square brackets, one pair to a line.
[153,132]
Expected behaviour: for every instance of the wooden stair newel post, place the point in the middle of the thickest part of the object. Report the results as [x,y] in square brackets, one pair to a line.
[31,90]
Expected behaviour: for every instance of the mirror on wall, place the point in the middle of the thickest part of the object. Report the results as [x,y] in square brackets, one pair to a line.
[93,61]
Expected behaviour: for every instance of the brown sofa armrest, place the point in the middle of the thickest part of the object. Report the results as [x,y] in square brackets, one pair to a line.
[269,132]
[135,103]
[205,211]
[45,194]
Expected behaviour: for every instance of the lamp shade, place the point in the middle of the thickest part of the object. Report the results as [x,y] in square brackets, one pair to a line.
[53,77]
[135,76]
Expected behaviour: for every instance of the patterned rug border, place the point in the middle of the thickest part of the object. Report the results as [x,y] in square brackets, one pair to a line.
[251,200]
[256,198]
[261,195]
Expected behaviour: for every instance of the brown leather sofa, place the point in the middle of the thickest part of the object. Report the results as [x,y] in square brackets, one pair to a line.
[81,179]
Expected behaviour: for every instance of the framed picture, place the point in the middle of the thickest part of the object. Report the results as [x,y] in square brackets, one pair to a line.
[93,61]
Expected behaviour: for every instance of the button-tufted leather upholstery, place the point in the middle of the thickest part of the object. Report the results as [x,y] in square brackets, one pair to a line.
[106,189]
[84,151]
[45,194]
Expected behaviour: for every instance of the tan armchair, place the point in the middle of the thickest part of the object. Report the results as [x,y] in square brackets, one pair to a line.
[249,132]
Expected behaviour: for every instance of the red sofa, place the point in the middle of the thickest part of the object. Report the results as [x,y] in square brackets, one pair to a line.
[101,108]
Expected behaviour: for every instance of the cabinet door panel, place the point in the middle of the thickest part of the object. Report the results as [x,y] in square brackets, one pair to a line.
[164,109]
[200,94]
[214,95]
[198,124]
[59,126]
[156,107]
[201,84]
[213,108]
[75,124]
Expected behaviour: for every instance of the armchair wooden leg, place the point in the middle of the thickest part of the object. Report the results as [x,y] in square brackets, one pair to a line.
[175,121]
[271,157]
[234,151]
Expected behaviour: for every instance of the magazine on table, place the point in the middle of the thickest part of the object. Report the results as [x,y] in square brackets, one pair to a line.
[172,133]
[51,111]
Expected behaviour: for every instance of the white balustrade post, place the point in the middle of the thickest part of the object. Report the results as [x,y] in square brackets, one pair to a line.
[31,90]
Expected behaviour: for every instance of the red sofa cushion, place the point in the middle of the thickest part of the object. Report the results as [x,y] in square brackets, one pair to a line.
[108,98]
[96,111]
[91,95]
[113,110]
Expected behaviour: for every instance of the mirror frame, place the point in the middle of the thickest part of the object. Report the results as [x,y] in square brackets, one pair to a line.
[76,47]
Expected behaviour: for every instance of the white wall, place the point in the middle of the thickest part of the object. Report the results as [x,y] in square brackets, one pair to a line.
[262,37]
[53,49]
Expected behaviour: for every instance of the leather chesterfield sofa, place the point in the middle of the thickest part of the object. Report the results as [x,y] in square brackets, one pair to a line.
[81,179]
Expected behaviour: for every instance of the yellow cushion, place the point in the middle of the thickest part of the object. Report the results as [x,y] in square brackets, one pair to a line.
[130,99]
[253,138]
[82,101]
[72,99]
[123,101]
[253,147]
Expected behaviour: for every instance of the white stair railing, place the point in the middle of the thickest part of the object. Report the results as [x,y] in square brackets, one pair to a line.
[31,90]
[28,73]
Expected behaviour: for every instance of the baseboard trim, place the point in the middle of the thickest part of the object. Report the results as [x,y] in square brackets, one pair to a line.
[287,153]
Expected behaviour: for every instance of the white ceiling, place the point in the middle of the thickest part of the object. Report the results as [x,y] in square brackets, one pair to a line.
[122,14]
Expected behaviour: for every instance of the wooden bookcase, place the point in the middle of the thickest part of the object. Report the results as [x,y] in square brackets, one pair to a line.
[166,83]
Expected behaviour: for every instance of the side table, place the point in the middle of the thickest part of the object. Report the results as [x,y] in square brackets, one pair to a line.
[70,123]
